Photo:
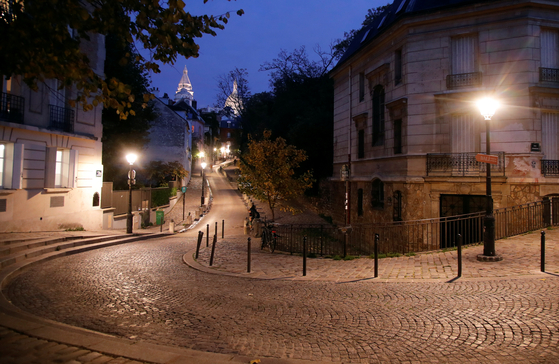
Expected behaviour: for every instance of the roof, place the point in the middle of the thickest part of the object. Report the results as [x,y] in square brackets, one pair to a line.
[182,105]
[398,10]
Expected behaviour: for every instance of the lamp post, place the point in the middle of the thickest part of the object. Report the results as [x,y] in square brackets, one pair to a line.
[203,164]
[487,107]
[131,158]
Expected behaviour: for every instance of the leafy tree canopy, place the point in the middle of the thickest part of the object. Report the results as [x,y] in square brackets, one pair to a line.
[160,172]
[267,172]
[47,40]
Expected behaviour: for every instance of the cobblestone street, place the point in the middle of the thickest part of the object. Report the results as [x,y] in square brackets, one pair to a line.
[143,291]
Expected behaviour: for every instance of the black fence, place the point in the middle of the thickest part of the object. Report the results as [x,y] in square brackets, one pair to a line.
[414,236]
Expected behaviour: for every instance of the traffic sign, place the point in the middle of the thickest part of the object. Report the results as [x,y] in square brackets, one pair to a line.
[487,158]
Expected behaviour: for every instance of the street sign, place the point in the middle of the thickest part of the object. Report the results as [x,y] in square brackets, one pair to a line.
[183,189]
[487,158]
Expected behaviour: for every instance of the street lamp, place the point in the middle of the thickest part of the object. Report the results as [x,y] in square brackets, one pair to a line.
[203,164]
[487,107]
[131,158]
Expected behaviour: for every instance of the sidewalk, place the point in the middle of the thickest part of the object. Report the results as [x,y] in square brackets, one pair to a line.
[521,258]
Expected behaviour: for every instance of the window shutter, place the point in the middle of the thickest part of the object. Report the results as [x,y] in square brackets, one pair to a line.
[50,167]
[550,136]
[73,170]
[550,48]
[17,167]
[463,54]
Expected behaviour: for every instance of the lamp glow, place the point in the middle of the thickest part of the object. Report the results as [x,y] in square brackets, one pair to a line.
[487,107]
[131,158]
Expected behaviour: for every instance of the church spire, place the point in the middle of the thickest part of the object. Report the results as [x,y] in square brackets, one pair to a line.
[184,91]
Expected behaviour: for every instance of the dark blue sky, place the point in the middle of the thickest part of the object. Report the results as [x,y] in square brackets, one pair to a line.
[257,37]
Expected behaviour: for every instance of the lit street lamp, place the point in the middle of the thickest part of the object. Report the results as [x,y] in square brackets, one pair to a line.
[487,107]
[131,158]
[203,164]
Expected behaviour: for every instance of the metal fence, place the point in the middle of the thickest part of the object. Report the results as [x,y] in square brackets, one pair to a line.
[414,236]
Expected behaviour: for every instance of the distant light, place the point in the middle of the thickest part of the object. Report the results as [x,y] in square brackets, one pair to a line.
[203,164]
[487,107]
[131,158]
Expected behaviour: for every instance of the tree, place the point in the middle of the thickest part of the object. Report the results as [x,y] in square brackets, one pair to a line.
[132,133]
[233,91]
[267,172]
[160,172]
[342,45]
[46,40]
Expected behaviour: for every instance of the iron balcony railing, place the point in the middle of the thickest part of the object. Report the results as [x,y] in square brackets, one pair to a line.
[471,79]
[414,236]
[550,168]
[549,74]
[462,165]
[11,108]
[61,118]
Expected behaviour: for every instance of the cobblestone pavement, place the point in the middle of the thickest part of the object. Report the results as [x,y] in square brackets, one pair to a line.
[143,291]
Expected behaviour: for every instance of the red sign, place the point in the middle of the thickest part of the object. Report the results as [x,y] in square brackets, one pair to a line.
[487,158]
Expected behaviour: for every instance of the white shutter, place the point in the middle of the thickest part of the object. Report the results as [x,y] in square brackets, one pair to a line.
[550,136]
[73,171]
[463,54]
[463,134]
[550,48]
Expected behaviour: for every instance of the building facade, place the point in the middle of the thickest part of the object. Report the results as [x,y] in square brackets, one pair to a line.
[405,120]
[50,155]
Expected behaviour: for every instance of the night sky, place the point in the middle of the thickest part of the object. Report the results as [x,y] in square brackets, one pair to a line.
[257,37]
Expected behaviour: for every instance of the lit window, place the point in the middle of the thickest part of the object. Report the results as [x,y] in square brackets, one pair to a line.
[61,168]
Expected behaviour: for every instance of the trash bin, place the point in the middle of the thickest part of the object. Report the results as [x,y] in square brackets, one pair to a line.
[159,217]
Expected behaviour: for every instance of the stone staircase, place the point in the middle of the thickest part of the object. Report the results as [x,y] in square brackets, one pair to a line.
[15,254]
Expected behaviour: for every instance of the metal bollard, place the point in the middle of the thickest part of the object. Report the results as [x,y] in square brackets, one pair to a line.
[200,235]
[376,254]
[207,235]
[215,229]
[543,251]
[459,255]
[304,256]
[222,228]
[248,256]
[213,251]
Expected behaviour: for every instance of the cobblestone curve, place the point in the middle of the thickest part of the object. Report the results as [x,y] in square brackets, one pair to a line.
[143,291]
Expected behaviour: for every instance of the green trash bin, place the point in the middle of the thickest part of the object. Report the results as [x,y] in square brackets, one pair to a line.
[159,217]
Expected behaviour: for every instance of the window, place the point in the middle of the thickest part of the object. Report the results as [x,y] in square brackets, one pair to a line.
[96,199]
[398,136]
[464,137]
[549,70]
[397,206]
[361,86]
[378,115]
[61,168]
[377,194]
[464,62]
[398,67]
[2,158]
[361,144]
[360,202]
[550,136]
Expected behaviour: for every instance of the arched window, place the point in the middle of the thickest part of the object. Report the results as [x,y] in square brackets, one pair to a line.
[377,194]
[397,206]
[96,199]
[378,115]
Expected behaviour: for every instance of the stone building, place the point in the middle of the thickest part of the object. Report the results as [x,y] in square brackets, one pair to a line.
[405,119]
[50,155]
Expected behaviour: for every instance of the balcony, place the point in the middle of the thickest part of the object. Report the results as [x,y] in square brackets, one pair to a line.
[462,165]
[549,74]
[11,108]
[472,79]
[550,168]
[61,118]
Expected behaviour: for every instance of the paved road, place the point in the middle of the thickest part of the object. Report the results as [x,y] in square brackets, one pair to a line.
[144,291]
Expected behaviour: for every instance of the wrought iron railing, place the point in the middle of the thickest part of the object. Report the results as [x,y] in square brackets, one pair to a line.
[462,165]
[414,236]
[61,118]
[550,168]
[549,74]
[11,108]
[463,80]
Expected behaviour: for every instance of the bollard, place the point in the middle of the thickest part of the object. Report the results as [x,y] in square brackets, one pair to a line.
[172,227]
[189,219]
[376,254]
[207,235]
[459,255]
[200,235]
[245,226]
[215,229]
[543,251]
[248,256]
[304,256]
[213,251]
[222,228]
